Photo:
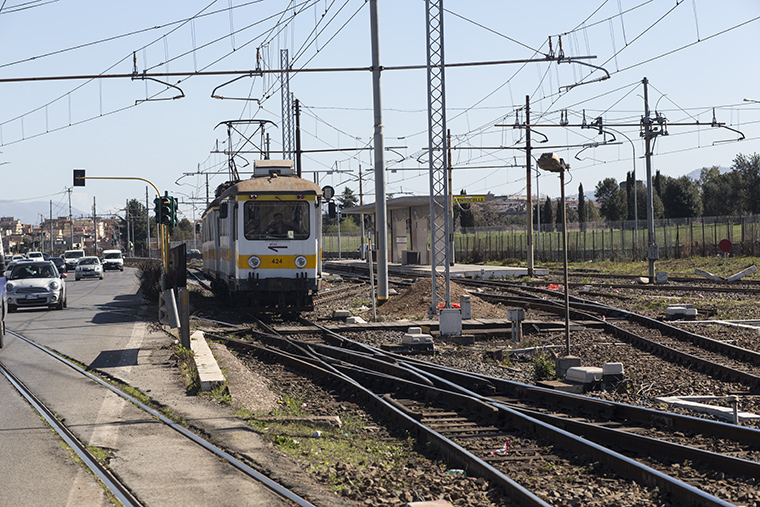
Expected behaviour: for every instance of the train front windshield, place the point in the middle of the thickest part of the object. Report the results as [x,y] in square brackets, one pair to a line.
[276,220]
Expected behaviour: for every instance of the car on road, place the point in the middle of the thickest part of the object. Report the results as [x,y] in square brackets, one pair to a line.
[88,267]
[37,256]
[34,284]
[59,263]
[72,257]
[112,259]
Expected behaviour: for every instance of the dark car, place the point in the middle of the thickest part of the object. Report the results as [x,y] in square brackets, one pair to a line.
[60,263]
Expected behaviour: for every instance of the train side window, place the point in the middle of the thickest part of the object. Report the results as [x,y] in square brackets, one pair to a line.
[223,210]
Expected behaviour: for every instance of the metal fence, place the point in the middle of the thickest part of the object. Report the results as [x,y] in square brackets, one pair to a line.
[618,240]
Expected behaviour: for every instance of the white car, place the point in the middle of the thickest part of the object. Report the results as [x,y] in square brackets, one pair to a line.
[112,259]
[35,283]
[89,267]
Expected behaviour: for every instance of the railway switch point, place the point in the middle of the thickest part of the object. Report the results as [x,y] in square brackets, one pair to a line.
[562,364]
[414,340]
[681,312]
[415,336]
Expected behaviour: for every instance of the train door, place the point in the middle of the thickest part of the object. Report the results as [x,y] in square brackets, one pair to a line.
[221,216]
[233,271]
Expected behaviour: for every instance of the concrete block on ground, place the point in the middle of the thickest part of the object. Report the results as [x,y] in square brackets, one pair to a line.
[209,373]
[612,368]
[415,336]
[562,364]
[584,374]
[341,314]
[355,320]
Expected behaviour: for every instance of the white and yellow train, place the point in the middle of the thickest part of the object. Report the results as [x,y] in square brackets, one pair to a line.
[262,239]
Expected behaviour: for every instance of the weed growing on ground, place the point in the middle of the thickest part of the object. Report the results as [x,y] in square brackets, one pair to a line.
[543,368]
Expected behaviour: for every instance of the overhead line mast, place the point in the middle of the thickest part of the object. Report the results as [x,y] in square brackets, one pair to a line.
[650,128]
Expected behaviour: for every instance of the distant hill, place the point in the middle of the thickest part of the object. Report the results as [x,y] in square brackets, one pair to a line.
[29,212]
[696,172]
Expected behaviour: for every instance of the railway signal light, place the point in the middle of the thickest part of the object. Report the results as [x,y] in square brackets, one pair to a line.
[166,209]
[157,210]
[79,177]
[173,215]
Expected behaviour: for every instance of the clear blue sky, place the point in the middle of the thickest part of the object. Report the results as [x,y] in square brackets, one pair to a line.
[698,55]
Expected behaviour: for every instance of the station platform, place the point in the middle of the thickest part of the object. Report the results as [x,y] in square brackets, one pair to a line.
[456,271]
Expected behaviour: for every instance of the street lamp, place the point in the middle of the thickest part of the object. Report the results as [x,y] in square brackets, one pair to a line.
[552,163]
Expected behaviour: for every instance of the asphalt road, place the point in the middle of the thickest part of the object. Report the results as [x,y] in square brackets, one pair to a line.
[104,327]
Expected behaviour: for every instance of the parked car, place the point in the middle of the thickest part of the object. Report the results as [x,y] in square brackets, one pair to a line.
[35,283]
[3,298]
[112,259]
[72,257]
[59,263]
[88,267]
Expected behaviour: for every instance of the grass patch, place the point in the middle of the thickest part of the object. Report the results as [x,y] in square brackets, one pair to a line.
[323,451]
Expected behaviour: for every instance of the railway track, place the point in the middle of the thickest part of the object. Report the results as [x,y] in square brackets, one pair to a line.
[120,490]
[477,426]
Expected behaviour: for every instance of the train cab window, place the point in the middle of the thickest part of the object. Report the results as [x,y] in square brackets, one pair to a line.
[276,220]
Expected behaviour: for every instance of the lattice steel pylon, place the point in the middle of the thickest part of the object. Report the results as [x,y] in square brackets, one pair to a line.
[437,150]
[287,107]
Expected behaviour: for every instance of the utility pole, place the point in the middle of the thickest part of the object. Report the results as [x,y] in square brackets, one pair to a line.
[126,221]
[297,107]
[95,225]
[528,188]
[649,134]
[147,221]
[381,208]
[71,224]
[650,128]
[51,227]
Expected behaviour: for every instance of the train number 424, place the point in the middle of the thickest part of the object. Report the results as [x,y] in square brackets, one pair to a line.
[277,261]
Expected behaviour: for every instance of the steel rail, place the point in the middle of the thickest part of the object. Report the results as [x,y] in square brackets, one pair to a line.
[464,397]
[485,385]
[236,463]
[598,433]
[113,485]
[664,351]
[451,451]
[622,465]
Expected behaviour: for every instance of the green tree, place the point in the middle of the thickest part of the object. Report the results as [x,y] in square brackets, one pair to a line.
[581,207]
[547,215]
[681,198]
[721,193]
[183,232]
[466,215]
[348,200]
[748,168]
[612,199]
[138,230]
[561,212]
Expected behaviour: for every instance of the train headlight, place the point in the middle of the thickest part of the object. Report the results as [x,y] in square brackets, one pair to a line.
[301,261]
[254,262]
